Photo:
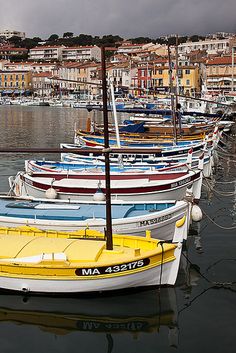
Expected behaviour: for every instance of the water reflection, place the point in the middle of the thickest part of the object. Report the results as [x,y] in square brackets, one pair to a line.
[133,313]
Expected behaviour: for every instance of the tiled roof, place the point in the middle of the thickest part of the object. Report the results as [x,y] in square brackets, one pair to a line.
[42,74]
[222,60]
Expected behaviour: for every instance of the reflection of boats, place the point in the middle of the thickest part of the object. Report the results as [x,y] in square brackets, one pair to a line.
[132,312]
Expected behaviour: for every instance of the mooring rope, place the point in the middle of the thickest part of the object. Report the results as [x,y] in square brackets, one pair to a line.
[226,157]
[228,136]
[213,283]
[225,151]
[216,224]
[221,193]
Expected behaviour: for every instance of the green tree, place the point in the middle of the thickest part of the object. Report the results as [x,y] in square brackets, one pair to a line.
[68,35]
[53,38]
[15,40]
[141,40]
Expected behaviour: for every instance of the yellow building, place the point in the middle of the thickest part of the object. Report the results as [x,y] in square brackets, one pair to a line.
[15,82]
[188,79]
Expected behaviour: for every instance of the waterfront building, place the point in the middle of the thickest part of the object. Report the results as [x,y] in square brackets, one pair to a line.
[81,53]
[17,82]
[120,76]
[220,72]
[30,66]
[189,82]
[145,86]
[81,74]
[42,85]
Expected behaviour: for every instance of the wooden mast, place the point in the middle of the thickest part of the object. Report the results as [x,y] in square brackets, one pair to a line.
[108,230]
[172,96]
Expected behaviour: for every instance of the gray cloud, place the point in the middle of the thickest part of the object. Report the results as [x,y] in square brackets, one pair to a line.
[127,18]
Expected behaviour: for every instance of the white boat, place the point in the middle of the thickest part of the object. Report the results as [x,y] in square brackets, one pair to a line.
[74,164]
[127,217]
[129,187]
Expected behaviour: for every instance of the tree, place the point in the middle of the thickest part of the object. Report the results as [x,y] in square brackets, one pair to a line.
[53,38]
[194,38]
[37,39]
[15,40]
[68,35]
[141,40]
[30,43]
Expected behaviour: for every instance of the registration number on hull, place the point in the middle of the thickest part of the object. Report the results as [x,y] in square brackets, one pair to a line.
[95,271]
[155,220]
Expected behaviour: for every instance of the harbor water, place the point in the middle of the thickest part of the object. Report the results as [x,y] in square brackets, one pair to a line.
[197,314]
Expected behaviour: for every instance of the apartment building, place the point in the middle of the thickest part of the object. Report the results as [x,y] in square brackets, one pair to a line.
[8,34]
[188,79]
[10,53]
[221,74]
[119,75]
[15,82]
[211,46]
[46,53]
[82,53]
[29,66]
[42,84]
[128,48]
[77,77]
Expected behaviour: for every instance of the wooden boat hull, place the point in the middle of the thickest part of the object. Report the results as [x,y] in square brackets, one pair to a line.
[130,189]
[51,215]
[51,263]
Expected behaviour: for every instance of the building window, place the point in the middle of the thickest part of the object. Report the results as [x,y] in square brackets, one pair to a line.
[187,82]
[187,72]
[23,77]
[5,77]
[160,72]
[5,84]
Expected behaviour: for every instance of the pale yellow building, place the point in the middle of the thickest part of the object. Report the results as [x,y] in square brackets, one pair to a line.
[15,82]
[188,79]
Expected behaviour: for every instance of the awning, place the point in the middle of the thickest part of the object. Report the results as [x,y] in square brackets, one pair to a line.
[7,91]
[19,91]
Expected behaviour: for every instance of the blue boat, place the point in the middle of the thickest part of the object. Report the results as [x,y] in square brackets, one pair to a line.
[133,217]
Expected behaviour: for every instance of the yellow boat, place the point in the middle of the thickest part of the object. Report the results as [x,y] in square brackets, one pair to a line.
[33,260]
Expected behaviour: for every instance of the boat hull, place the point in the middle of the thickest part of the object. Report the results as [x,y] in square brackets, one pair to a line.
[163,275]
[146,189]
[161,223]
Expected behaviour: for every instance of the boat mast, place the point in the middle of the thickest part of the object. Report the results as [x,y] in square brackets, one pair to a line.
[108,231]
[177,106]
[172,96]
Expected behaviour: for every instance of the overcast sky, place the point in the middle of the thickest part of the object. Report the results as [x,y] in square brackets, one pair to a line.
[127,18]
